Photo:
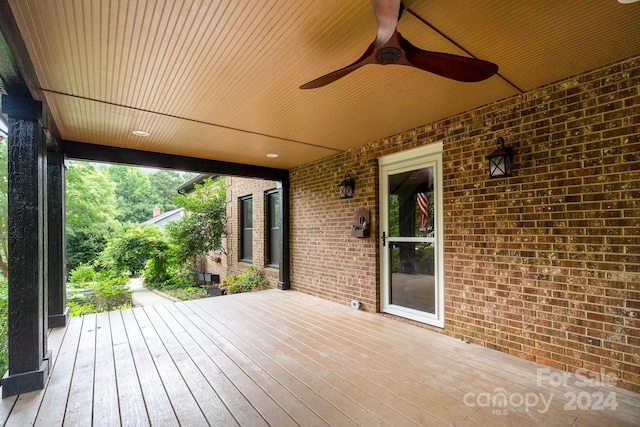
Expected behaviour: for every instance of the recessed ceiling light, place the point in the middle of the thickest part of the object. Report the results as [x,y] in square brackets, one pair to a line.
[140,133]
[272,155]
[627,1]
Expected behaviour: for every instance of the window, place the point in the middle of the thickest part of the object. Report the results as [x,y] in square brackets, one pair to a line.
[273,228]
[246,229]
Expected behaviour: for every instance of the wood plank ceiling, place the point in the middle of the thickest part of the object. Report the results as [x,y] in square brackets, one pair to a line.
[219,79]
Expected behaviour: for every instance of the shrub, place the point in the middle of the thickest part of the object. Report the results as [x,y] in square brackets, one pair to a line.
[185,294]
[82,274]
[162,266]
[103,295]
[252,279]
[112,294]
[201,230]
[131,248]
[76,309]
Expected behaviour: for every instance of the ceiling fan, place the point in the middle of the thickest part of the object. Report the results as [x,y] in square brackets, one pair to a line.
[390,47]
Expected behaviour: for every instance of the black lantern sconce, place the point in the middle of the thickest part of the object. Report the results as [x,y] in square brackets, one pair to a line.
[501,160]
[346,187]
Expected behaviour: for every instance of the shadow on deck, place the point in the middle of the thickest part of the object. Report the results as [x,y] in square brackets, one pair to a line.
[284,358]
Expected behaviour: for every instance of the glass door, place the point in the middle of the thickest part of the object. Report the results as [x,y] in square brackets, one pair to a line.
[411,237]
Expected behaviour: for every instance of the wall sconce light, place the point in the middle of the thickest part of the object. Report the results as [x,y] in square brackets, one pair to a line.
[346,187]
[501,160]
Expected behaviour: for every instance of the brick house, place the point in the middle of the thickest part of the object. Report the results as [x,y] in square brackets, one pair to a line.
[253,230]
[543,264]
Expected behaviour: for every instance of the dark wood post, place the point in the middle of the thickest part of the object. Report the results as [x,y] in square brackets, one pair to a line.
[285,219]
[28,354]
[57,259]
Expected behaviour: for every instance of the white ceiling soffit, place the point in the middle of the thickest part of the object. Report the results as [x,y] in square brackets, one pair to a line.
[220,80]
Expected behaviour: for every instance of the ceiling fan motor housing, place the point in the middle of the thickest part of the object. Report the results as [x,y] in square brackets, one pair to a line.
[388,55]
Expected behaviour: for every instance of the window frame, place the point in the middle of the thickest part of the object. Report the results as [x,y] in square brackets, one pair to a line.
[270,254]
[244,230]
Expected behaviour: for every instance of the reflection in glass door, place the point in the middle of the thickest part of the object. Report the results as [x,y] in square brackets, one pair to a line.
[411,236]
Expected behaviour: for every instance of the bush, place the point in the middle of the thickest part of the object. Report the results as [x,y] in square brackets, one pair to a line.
[185,294]
[131,248]
[201,230]
[103,295]
[162,265]
[82,274]
[112,294]
[252,279]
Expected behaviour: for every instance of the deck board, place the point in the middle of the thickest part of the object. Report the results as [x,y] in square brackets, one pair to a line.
[433,405]
[106,411]
[80,400]
[225,390]
[345,394]
[283,359]
[54,404]
[155,395]
[272,413]
[130,399]
[205,396]
[181,400]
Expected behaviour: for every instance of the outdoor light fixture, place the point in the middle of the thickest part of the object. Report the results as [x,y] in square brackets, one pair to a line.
[346,187]
[500,160]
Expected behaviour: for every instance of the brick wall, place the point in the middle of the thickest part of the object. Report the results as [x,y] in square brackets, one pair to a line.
[237,188]
[544,265]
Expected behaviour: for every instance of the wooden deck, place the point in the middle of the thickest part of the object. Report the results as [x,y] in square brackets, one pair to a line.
[282,358]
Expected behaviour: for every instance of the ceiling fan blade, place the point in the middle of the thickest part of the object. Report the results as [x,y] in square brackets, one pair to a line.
[366,58]
[387,15]
[447,65]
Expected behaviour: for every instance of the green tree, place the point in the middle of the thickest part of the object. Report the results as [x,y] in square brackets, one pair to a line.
[201,230]
[91,212]
[164,184]
[135,198]
[131,248]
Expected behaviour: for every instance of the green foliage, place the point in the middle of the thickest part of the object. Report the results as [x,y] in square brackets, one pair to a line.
[201,230]
[90,208]
[82,274]
[164,184]
[188,293]
[135,199]
[130,249]
[96,297]
[80,309]
[112,294]
[91,197]
[252,279]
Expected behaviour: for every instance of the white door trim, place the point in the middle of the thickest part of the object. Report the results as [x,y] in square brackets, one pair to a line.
[429,155]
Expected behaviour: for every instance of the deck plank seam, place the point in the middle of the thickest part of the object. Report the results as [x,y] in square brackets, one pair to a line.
[212,341]
[347,368]
[283,385]
[346,396]
[193,336]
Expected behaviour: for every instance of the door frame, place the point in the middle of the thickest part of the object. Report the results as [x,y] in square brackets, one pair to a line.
[429,155]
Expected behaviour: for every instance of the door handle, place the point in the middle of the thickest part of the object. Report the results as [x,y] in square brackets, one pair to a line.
[384,239]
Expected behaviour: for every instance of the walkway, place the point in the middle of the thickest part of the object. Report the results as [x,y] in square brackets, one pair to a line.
[143,297]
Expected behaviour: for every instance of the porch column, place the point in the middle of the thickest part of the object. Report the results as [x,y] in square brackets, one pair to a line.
[28,354]
[57,259]
[285,219]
